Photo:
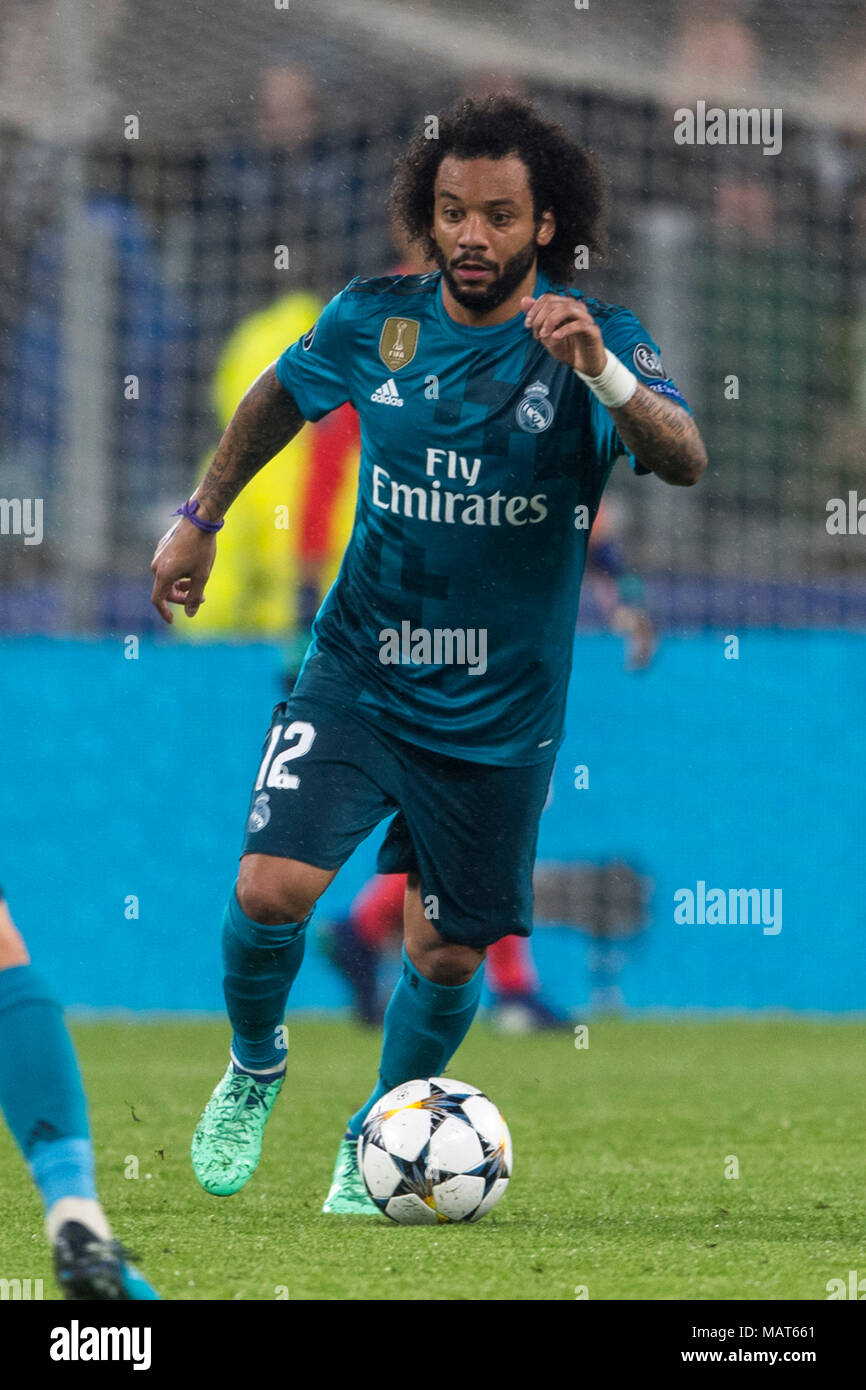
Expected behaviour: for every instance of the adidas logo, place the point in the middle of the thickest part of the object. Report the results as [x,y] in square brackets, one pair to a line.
[387,394]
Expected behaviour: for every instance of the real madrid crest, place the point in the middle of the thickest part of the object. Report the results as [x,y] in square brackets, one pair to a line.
[260,814]
[398,342]
[648,362]
[534,412]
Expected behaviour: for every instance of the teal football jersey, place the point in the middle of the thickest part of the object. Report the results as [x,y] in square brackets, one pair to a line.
[483,461]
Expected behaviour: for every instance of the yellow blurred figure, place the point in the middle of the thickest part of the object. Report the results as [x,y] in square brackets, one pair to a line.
[264,559]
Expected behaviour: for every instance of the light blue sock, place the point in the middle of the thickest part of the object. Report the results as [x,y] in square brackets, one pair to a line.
[260,963]
[425,1024]
[41,1094]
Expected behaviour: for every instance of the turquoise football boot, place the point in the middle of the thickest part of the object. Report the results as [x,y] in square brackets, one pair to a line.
[348,1195]
[227,1143]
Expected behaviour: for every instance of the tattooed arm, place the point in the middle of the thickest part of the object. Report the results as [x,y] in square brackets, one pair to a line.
[662,436]
[266,420]
[263,424]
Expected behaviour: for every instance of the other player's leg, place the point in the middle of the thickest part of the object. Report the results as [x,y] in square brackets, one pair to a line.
[43,1102]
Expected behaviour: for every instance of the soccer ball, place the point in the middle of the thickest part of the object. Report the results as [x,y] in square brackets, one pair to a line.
[435,1151]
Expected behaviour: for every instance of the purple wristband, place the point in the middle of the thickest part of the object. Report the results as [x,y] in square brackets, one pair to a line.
[189,510]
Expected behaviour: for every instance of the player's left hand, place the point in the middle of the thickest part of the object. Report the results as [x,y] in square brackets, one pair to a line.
[567,329]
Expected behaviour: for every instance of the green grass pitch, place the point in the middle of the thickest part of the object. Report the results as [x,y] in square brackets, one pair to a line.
[619,1187]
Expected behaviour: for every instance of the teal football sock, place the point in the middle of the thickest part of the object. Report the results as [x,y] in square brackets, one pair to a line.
[425,1024]
[260,963]
[41,1094]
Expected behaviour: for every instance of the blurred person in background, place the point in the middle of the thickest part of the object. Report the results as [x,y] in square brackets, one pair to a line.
[268,180]
[714,52]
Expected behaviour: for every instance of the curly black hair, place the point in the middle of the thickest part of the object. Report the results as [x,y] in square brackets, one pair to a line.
[563,176]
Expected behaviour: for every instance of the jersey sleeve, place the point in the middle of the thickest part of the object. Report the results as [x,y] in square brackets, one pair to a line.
[313,369]
[627,339]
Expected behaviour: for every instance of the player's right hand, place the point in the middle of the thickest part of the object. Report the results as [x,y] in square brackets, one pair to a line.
[181,565]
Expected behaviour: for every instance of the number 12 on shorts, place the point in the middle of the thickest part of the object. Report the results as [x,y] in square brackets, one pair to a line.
[274,774]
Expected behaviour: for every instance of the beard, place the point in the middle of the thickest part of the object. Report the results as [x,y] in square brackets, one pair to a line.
[500,287]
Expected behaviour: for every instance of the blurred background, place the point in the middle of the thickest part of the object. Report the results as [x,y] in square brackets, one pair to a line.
[180,192]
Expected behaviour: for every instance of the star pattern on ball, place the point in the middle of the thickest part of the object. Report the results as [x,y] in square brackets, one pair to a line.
[495,1165]
[440,1104]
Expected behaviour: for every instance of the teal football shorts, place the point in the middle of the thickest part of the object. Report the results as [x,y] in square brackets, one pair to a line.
[328,776]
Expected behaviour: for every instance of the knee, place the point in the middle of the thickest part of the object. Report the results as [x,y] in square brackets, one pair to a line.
[448,964]
[273,896]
